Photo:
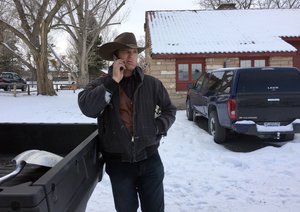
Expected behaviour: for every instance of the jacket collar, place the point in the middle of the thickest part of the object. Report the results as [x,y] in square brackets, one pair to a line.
[137,72]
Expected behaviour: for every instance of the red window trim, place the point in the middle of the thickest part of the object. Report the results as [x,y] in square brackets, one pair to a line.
[181,85]
[267,59]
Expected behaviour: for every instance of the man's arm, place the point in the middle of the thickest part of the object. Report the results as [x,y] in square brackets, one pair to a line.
[96,96]
[167,111]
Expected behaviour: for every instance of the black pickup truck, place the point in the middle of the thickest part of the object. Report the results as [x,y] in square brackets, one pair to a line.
[257,101]
[67,185]
[8,79]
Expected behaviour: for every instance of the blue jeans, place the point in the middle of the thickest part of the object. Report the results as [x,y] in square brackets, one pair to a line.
[143,179]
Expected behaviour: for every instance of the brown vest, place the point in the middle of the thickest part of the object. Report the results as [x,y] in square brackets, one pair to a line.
[126,109]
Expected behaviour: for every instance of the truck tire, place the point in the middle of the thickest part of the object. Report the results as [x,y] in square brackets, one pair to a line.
[189,110]
[218,132]
[8,88]
[23,88]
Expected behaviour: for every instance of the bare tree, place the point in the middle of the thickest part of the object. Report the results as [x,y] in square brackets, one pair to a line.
[271,4]
[244,4]
[84,24]
[141,57]
[212,4]
[247,4]
[32,27]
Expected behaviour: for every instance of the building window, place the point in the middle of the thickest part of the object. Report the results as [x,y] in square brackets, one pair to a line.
[183,72]
[259,63]
[245,63]
[254,62]
[187,71]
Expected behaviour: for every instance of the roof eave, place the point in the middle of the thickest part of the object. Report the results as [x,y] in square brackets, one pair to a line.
[221,54]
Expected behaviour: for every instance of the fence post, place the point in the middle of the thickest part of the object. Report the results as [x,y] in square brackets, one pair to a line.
[14,89]
[28,89]
[74,87]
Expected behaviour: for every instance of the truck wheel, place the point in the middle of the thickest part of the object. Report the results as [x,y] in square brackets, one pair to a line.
[215,129]
[189,110]
[24,88]
[8,88]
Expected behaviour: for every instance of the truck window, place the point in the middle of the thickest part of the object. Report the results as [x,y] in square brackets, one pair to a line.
[16,77]
[6,75]
[268,81]
[196,71]
[205,83]
[199,82]
[215,81]
[225,86]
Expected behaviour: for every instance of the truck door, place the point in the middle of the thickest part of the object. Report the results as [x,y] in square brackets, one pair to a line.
[209,90]
[195,92]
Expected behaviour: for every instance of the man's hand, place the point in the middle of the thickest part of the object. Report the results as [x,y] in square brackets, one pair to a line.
[118,70]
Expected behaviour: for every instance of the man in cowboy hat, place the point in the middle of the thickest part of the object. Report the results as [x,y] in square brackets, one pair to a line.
[125,103]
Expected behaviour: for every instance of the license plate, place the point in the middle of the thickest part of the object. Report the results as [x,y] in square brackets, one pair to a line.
[272,124]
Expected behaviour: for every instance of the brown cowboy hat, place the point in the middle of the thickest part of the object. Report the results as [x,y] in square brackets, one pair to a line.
[122,41]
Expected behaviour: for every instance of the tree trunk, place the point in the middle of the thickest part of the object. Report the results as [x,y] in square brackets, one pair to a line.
[45,86]
[83,67]
[83,62]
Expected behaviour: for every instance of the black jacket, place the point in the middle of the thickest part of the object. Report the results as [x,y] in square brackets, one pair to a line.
[100,99]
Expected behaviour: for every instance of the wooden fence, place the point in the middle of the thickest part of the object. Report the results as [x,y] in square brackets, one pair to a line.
[32,88]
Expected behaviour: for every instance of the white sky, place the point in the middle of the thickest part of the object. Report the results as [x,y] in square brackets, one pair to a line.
[136,19]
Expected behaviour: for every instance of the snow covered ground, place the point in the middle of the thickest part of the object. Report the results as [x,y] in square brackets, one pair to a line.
[199,174]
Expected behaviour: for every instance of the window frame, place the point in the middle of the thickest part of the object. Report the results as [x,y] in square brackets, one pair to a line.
[266,59]
[181,85]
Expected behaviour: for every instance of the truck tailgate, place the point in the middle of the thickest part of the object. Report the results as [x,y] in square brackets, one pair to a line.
[268,107]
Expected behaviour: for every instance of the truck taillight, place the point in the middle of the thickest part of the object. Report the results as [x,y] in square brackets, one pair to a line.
[231,105]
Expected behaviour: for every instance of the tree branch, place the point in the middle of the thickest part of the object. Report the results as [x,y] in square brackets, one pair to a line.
[18,56]
[54,10]
[40,17]
[58,58]
[23,18]
[105,24]
[18,34]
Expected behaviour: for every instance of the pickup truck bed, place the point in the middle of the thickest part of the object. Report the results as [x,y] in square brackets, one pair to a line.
[65,187]
[30,172]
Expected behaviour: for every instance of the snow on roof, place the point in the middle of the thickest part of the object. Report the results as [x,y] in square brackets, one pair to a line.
[222,31]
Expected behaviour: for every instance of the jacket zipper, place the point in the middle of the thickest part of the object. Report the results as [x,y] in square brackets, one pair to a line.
[133,124]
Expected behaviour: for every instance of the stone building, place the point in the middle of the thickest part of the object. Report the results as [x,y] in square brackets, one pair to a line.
[183,43]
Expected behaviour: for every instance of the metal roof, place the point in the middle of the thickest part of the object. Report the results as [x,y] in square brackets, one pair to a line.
[222,31]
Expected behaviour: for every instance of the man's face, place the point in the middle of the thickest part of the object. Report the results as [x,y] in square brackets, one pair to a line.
[130,57]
